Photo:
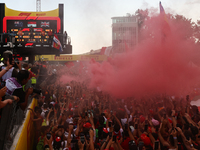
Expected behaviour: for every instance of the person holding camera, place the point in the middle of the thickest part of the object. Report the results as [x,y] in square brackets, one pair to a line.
[8,70]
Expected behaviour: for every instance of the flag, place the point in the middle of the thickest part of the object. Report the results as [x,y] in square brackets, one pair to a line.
[44,24]
[162,13]
[56,43]
[164,21]
[18,24]
[32,23]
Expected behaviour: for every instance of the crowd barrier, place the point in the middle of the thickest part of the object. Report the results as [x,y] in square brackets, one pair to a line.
[25,139]
[11,120]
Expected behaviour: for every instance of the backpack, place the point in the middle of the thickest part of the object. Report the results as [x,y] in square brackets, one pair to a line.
[40,145]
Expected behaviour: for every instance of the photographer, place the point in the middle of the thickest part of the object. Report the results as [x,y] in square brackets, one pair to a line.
[14,87]
[8,70]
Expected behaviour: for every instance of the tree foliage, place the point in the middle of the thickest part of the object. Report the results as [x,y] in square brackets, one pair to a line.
[146,22]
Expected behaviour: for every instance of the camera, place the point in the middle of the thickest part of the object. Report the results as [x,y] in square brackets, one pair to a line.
[146,127]
[164,116]
[10,58]
[109,123]
[82,137]
[16,60]
[48,136]
[110,134]
[60,126]
[179,146]
[102,114]
[114,138]
[126,126]
[136,126]
[87,136]
[111,112]
[140,145]
[156,145]
[74,141]
[132,145]
[37,91]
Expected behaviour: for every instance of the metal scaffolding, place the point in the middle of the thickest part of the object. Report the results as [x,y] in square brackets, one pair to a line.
[38,5]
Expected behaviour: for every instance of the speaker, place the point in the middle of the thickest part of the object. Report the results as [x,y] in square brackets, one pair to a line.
[2,15]
[61,16]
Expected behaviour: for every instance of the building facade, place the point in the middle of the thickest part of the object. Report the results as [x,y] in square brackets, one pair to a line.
[124,33]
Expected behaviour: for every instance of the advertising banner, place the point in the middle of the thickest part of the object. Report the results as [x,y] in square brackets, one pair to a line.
[71,57]
[11,12]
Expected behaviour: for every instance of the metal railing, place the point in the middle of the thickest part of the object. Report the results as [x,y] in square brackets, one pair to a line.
[11,119]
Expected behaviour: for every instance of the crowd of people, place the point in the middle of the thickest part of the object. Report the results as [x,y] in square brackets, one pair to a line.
[72,116]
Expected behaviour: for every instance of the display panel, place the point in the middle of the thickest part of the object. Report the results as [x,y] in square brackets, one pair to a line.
[32,27]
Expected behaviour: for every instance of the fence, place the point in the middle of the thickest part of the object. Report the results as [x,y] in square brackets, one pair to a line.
[25,137]
[11,119]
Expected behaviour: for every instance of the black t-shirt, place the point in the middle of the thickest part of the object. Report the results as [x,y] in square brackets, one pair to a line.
[21,94]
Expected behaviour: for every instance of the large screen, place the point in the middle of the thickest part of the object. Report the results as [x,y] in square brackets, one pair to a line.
[14,24]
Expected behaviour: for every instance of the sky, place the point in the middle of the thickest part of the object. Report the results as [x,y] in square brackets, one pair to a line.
[88,22]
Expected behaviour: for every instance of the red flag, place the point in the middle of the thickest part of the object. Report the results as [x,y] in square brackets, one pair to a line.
[56,43]
[164,21]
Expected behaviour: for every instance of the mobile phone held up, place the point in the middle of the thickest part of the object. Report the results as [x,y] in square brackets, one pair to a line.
[82,137]
[132,145]
[48,136]
[109,123]
[10,58]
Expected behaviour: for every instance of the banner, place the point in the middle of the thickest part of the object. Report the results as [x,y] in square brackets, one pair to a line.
[11,12]
[71,57]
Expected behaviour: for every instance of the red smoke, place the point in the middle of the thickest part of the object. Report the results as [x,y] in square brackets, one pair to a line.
[67,78]
[158,65]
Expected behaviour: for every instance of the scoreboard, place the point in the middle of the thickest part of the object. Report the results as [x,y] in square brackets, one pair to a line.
[11,21]
[14,24]
[25,23]
[27,33]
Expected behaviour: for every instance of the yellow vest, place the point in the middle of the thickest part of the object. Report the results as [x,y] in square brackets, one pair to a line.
[33,80]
